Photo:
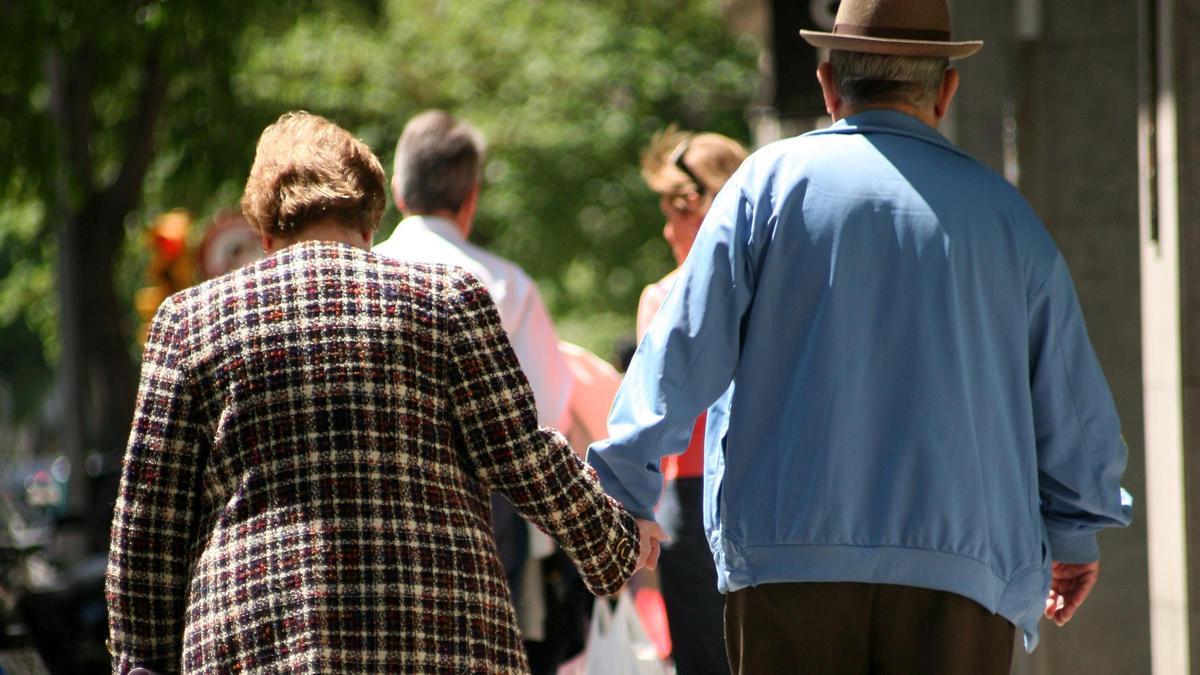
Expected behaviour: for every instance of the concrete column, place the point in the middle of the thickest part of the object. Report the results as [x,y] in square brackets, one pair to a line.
[1165,503]
[1178,22]
[1076,108]
[986,94]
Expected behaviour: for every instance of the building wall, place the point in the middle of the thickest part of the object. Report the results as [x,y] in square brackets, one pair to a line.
[1091,124]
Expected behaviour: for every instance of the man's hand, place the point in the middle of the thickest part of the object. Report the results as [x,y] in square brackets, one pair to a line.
[1070,584]
[649,534]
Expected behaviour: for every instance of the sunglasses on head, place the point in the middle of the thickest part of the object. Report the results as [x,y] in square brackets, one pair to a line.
[677,160]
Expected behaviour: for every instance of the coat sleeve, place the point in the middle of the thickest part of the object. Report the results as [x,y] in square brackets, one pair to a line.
[153,526]
[534,468]
[1081,454]
[688,356]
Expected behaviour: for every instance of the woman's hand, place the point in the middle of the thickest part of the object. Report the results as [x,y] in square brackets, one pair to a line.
[649,534]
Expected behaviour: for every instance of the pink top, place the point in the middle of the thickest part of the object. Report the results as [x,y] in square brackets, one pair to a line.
[690,464]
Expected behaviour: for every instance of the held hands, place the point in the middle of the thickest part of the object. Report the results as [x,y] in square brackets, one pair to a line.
[649,534]
[1070,584]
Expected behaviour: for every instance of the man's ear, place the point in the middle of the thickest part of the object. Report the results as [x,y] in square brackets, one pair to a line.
[474,198]
[399,201]
[829,90]
[946,93]
[469,206]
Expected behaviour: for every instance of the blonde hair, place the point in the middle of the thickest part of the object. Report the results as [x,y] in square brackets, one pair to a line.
[711,158]
[307,168]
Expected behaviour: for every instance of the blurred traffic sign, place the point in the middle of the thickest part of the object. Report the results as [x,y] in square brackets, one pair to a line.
[228,244]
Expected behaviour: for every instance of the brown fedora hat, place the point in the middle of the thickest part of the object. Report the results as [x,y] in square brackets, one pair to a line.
[897,27]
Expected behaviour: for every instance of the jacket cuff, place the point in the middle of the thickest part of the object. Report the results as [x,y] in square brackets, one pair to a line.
[613,486]
[625,551]
[1073,547]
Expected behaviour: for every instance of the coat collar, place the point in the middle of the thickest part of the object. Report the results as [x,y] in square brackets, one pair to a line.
[888,122]
[439,226]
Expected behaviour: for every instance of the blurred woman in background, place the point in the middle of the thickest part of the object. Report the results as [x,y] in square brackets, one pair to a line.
[687,170]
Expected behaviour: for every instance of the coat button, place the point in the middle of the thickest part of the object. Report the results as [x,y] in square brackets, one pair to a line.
[624,548]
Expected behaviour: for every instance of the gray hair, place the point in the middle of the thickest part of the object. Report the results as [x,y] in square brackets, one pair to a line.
[438,161]
[864,79]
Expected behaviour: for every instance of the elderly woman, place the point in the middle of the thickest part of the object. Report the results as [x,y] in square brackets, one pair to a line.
[306,483]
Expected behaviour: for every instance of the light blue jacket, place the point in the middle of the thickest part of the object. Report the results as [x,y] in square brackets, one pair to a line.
[899,384]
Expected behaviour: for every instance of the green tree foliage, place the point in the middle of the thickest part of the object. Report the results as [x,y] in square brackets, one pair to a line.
[114,110]
[111,110]
[27,315]
[568,94]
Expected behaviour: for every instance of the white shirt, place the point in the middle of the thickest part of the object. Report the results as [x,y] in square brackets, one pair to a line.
[522,313]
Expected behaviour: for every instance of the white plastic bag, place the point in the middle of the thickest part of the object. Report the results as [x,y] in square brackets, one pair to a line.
[617,642]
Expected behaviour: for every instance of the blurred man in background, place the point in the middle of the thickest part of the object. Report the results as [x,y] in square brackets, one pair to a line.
[436,185]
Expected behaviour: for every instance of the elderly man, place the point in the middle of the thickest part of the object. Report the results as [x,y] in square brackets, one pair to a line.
[436,186]
[910,445]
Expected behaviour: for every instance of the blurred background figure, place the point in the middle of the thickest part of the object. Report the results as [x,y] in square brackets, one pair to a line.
[306,482]
[229,242]
[593,388]
[436,185]
[687,170]
[170,268]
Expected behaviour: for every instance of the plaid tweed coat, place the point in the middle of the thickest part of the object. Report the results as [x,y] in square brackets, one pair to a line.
[306,485]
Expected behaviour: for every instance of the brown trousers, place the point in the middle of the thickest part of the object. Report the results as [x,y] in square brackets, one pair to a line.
[853,628]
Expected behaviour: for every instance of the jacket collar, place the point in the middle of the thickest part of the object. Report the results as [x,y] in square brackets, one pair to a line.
[888,122]
[439,226]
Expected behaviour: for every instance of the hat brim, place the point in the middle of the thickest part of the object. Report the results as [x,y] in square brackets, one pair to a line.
[892,46]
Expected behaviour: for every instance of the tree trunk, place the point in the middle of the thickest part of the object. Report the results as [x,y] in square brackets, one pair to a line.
[72,364]
[97,373]
[96,377]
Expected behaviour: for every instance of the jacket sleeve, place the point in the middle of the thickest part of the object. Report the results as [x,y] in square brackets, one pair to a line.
[1081,454]
[153,526]
[688,356]
[534,468]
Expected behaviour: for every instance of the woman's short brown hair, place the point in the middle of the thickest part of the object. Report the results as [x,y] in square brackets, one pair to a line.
[307,168]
